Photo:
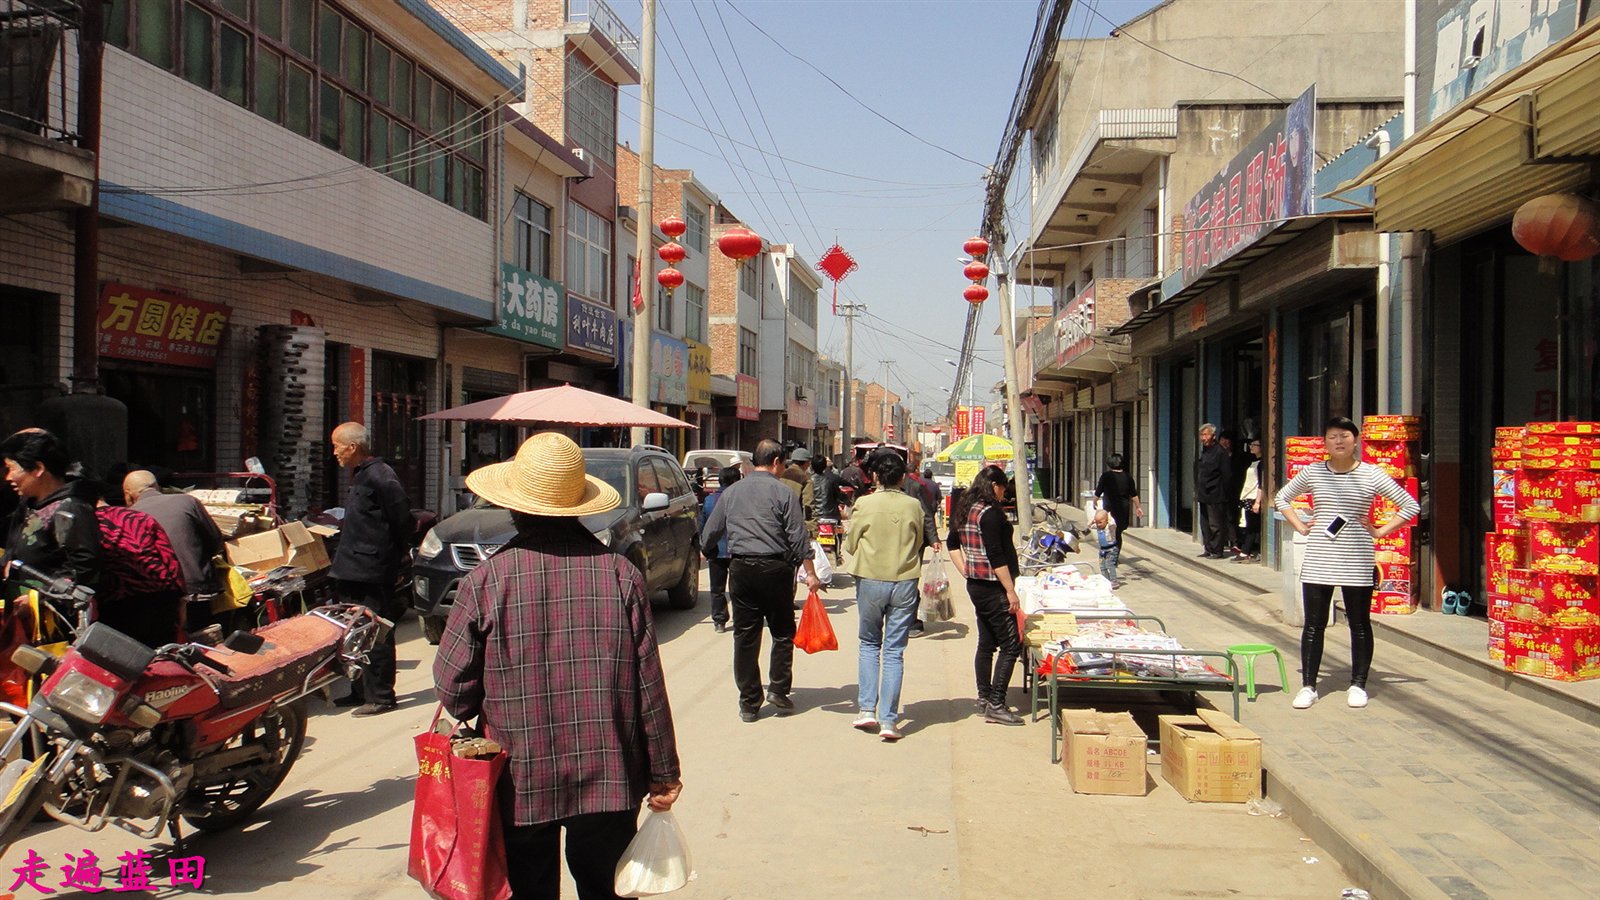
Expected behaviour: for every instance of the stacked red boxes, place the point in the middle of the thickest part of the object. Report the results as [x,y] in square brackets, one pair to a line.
[1390,443]
[1507,458]
[1550,606]
[1299,452]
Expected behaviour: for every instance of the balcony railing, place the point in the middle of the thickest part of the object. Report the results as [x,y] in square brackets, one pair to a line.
[1107,125]
[598,14]
[38,45]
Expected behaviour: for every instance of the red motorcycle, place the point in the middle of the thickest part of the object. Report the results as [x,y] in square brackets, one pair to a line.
[120,734]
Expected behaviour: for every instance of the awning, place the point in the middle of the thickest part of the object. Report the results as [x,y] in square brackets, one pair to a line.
[1531,132]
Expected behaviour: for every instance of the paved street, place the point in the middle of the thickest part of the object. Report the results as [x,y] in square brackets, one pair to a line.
[788,807]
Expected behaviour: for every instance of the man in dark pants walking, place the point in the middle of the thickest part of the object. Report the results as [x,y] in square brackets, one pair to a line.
[377,525]
[717,557]
[765,528]
[1213,473]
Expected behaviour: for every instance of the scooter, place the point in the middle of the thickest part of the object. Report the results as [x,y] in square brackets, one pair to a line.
[828,533]
[122,734]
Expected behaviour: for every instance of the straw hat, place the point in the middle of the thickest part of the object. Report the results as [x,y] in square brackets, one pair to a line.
[545,478]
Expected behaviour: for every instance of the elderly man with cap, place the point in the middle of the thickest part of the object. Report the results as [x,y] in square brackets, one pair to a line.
[766,533]
[550,644]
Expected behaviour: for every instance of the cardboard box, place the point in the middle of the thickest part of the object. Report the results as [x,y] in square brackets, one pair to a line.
[1210,758]
[1562,458]
[1564,653]
[292,545]
[1502,552]
[1562,428]
[1396,549]
[1497,650]
[1544,598]
[1564,549]
[1395,602]
[1499,606]
[1590,442]
[1104,752]
[1556,495]
[1395,457]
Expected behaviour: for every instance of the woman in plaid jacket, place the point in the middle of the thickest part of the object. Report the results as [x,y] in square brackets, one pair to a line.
[983,534]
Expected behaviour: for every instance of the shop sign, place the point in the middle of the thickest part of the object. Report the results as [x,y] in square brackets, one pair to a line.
[833,419]
[699,374]
[1044,350]
[591,328]
[530,308]
[162,328]
[1470,43]
[800,413]
[1268,182]
[963,421]
[746,398]
[669,370]
[1075,327]
[979,414]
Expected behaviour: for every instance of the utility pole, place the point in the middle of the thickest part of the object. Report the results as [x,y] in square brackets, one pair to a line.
[1008,342]
[646,228]
[848,310]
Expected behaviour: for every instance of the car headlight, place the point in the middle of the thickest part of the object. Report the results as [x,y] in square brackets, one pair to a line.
[604,535]
[431,546]
[81,697]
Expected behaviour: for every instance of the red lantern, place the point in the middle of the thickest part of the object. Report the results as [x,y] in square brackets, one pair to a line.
[672,226]
[976,247]
[739,243]
[672,253]
[1565,226]
[976,293]
[976,271]
[670,278]
[937,429]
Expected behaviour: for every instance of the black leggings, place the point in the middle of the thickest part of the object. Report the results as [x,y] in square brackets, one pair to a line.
[1318,598]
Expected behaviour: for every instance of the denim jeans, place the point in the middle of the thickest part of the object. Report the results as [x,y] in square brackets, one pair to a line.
[1109,556]
[887,610]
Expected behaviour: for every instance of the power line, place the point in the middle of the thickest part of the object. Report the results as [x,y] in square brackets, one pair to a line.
[1118,32]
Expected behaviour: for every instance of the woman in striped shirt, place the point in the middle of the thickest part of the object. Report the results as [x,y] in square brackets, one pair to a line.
[1338,551]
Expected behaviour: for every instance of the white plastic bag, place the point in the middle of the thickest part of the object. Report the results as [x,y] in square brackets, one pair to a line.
[819,558]
[657,859]
[935,587]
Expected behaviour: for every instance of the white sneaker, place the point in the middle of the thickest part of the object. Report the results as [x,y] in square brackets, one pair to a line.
[1357,697]
[1306,697]
[865,722]
[889,734]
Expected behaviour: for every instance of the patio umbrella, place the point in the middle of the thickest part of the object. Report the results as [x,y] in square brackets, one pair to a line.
[564,405]
[977,447]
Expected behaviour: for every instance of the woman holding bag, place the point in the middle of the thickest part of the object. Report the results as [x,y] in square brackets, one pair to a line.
[885,548]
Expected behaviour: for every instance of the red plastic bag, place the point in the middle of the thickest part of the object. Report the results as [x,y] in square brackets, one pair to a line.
[458,851]
[815,632]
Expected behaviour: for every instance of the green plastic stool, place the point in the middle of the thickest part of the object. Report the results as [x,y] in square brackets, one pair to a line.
[1247,654]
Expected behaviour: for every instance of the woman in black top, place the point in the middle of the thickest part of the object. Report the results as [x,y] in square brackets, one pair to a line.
[1117,492]
[982,540]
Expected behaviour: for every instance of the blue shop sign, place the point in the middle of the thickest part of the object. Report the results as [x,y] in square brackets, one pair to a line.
[591,328]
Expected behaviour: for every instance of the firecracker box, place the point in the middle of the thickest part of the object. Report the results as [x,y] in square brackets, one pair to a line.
[1499,606]
[1497,629]
[1497,650]
[1398,458]
[1394,602]
[1396,548]
[1509,435]
[1210,758]
[1383,509]
[1559,458]
[1563,549]
[1395,572]
[1502,552]
[1556,495]
[1105,752]
[1391,428]
[1562,428]
[1564,653]
[1544,598]
[1589,442]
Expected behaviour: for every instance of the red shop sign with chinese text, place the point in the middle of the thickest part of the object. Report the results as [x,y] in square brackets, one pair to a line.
[152,327]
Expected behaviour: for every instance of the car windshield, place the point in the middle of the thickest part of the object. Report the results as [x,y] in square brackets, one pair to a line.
[944,468]
[613,471]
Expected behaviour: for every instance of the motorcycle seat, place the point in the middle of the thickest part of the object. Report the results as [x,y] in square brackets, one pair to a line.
[292,648]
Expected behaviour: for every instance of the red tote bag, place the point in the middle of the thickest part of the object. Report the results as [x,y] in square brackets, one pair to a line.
[458,851]
[815,633]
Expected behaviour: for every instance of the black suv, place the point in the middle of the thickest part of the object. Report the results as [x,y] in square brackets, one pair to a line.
[655,527]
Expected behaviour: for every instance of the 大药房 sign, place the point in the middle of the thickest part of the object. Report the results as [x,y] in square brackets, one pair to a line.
[530,308]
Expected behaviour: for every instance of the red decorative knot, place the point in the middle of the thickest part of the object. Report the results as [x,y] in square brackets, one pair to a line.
[739,243]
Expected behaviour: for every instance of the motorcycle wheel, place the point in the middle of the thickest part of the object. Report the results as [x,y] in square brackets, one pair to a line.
[27,806]
[231,802]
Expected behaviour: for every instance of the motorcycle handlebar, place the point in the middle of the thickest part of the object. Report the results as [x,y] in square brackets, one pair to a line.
[61,587]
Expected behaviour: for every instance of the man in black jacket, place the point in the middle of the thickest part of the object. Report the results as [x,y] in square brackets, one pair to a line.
[1213,473]
[376,530]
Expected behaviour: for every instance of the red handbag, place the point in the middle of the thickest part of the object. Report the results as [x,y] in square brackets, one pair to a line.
[458,850]
[815,633]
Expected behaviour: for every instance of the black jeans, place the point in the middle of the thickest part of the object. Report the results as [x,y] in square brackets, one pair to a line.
[719,589]
[594,844]
[999,645]
[377,676]
[1250,534]
[761,592]
[1214,526]
[1357,611]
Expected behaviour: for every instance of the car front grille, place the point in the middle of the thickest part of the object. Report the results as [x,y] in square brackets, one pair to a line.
[468,556]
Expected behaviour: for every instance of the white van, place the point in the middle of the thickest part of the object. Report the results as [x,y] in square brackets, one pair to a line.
[710,462]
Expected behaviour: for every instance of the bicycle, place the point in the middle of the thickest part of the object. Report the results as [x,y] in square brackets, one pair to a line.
[1048,543]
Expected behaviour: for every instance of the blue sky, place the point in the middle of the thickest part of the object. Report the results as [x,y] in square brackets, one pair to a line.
[900,204]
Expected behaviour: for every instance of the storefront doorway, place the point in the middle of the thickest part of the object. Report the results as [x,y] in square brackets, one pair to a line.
[399,396]
[171,415]
[1182,403]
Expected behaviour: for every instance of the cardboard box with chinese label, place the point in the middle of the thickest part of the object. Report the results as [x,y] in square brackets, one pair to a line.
[1210,758]
[1383,509]
[1396,548]
[1391,428]
[1563,653]
[1395,600]
[1562,428]
[1397,458]
[1556,495]
[291,545]
[1564,549]
[1105,752]
[1543,598]
[1502,552]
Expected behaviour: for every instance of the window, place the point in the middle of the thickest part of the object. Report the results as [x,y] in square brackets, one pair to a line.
[381,56]
[750,278]
[297,100]
[694,313]
[664,304]
[591,111]
[802,301]
[197,45]
[269,85]
[269,18]
[153,32]
[694,235]
[588,261]
[531,235]
[300,19]
[747,352]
